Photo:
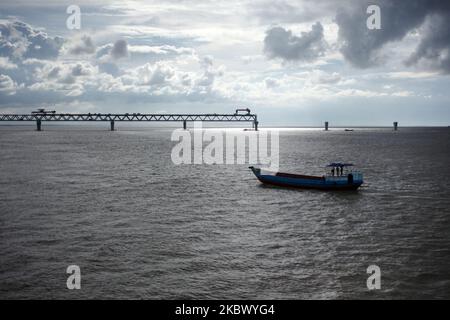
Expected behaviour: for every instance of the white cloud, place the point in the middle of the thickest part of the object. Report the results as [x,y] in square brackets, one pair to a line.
[321,77]
[6,64]
[160,50]
[83,45]
[403,94]
[19,40]
[271,82]
[411,75]
[7,85]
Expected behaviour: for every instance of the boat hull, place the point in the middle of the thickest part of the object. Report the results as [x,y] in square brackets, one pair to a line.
[307,182]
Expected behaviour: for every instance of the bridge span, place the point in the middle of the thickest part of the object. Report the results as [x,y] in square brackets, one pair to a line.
[52,116]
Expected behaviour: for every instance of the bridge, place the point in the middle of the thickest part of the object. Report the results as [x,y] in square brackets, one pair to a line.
[39,117]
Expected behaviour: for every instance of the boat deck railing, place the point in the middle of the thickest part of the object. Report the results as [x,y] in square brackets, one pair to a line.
[356,176]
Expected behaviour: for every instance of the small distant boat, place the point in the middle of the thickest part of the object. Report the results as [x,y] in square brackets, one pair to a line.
[349,130]
[340,179]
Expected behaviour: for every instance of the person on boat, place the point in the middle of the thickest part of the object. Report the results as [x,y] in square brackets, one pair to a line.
[332,171]
[342,170]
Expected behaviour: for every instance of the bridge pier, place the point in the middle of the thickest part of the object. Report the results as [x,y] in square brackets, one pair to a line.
[184,124]
[38,124]
[112,125]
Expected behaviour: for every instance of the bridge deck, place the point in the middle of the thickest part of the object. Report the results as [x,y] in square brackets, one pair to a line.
[127,117]
[39,117]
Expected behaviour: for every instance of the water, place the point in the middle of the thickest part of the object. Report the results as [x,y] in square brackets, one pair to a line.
[140,227]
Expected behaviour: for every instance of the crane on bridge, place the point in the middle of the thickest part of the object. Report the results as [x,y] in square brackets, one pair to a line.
[247,110]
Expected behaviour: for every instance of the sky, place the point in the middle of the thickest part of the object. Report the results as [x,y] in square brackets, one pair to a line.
[294,63]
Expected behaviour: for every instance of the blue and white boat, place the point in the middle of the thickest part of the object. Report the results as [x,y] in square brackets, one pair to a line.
[340,178]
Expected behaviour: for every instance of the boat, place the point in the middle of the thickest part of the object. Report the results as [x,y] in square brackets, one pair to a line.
[341,178]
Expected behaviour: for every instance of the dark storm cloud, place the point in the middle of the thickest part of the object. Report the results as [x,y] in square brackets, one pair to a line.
[434,48]
[361,46]
[18,41]
[281,43]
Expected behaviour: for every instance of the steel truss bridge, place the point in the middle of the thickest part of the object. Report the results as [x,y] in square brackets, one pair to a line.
[112,118]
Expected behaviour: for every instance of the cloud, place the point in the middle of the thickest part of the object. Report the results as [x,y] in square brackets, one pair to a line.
[119,49]
[410,75]
[362,47]
[271,82]
[19,40]
[293,11]
[161,68]
[82,69]
[403,94]
[424,23]
[155,75]
[322,77]
[6,64]
[434,48]
[7,85]
[65,77]
[281,43]
[109,53]
[162,78]
[251,58]
[72,75]
[207,62]
[110,68]
[85,45]
[160,50]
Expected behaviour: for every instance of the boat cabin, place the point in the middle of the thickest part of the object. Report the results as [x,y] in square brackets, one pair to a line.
[342,171]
